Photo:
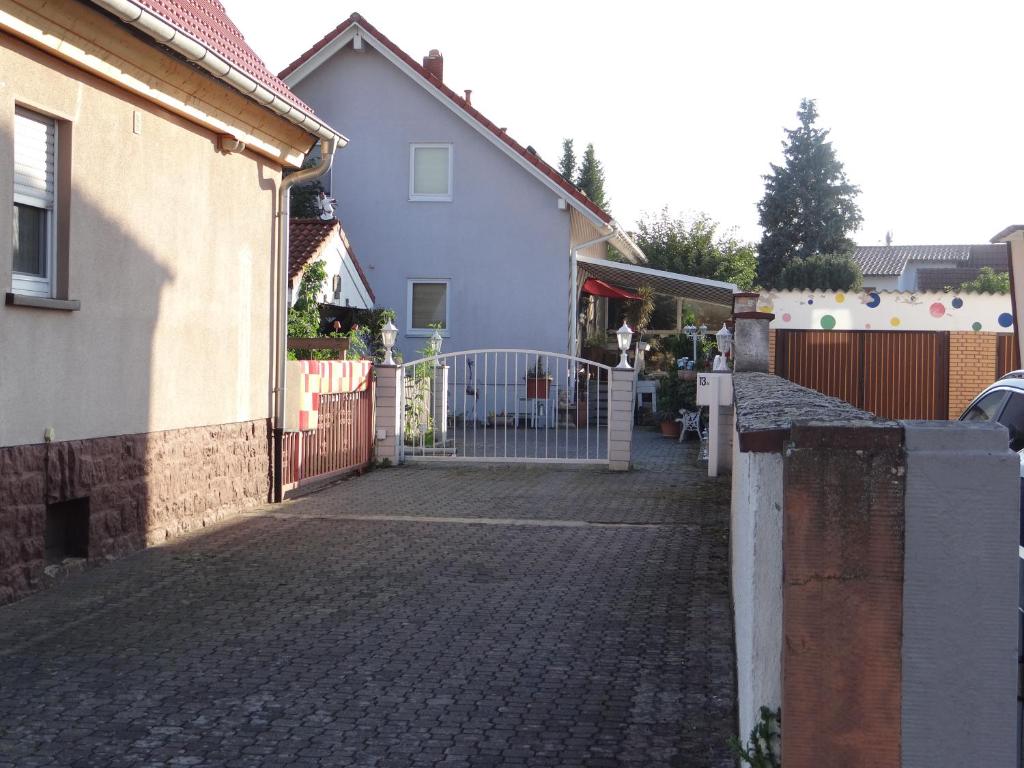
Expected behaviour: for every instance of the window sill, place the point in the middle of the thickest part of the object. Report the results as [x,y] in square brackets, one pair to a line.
[40,302]
[427,332]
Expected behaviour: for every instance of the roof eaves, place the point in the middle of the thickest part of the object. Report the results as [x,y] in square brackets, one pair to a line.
[167,33]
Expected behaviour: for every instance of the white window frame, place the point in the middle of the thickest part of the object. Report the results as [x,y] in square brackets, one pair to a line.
[421,198]
[447,283]
[21,282]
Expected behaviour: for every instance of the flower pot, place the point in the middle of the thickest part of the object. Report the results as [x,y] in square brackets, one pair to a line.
[688,375]
[537,388]
[671,429]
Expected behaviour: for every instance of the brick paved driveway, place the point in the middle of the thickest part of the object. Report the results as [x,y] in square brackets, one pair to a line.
[416,616]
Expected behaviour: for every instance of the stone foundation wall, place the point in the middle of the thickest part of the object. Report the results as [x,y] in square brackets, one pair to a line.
[142,489]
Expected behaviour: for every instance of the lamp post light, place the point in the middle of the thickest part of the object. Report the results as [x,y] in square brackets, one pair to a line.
[625,337]
[388,335]
[697,334]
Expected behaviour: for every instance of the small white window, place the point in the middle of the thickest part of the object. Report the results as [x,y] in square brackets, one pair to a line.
[428,307]
[35,174]
[430,172]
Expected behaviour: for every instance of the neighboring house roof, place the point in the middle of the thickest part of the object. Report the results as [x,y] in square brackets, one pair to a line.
[206,22]
[307,239]
[995,257]
[892,259]
[464,107]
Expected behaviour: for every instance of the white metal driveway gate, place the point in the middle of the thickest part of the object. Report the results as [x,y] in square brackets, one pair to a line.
[503,405]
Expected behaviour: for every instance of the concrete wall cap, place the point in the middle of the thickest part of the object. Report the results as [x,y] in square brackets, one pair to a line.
[955,436]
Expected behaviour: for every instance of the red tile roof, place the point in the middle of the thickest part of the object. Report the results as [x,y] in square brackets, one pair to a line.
[208,23]
[307,239]
[533,159]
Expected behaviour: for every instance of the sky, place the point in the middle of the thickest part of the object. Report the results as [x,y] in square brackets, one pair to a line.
[686,101]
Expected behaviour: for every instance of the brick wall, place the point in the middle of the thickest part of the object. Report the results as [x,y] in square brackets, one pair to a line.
[142,489]
[972,367]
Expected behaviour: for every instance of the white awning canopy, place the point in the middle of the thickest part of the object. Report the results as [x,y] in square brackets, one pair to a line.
[632,277]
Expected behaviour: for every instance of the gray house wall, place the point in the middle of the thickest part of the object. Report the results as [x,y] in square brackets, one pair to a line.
[502,241]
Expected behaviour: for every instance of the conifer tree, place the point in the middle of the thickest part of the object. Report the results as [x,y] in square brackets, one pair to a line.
[590,179]
[567,166]
[809,207]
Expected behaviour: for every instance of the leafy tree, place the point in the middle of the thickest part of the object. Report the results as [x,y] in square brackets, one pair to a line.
[822,272]
[590,179]
[808,207]
[304,315]
[988,281]
[696,248]
[305,197]
[567,166]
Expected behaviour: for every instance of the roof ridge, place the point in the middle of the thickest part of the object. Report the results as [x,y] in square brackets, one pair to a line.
[543,166]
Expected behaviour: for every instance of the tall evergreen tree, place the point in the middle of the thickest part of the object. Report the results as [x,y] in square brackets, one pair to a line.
[809,207]
[590,179]
[567,166]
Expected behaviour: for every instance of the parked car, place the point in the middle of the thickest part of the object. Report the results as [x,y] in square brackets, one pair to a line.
[1003,402]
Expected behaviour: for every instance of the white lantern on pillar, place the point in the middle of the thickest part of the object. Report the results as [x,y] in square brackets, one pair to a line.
[625,338]
[388,336]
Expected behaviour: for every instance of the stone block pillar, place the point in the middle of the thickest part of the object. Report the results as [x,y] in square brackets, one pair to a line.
[621,382]
[387,410]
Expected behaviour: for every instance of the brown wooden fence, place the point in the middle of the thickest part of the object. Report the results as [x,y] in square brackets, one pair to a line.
[1007,354]
[342,441]
[893,374]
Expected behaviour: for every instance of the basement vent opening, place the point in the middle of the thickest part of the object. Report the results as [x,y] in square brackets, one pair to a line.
[67,530]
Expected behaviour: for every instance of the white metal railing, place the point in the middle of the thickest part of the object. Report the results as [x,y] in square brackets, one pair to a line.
[505,405]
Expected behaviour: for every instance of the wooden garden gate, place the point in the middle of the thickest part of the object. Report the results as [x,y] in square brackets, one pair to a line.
[893,374]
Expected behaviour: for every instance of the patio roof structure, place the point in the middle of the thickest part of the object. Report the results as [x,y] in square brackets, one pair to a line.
[631,277]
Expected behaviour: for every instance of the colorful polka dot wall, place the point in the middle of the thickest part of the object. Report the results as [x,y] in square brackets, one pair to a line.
[879,310]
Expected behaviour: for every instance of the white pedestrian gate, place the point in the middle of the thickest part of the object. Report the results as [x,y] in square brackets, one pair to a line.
[504,405]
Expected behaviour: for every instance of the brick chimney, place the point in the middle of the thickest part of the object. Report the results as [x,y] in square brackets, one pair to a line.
[433,62]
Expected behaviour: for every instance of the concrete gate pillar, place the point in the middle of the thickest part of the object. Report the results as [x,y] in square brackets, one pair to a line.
[388,403]
[620,418]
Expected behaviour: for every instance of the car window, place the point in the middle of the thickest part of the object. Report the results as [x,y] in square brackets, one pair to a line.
[986,408]
[1013,413]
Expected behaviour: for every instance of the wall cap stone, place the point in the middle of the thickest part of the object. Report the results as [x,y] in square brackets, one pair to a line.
[768,406]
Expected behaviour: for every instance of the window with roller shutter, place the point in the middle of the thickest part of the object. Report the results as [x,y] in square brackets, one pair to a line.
[34,222]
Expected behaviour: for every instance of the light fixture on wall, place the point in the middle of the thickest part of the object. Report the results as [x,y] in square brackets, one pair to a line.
[388,336]
[625,337]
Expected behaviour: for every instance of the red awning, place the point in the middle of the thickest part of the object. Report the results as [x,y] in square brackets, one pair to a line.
[596,287]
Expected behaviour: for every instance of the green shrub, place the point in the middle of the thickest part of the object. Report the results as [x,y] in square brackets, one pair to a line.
[822,272]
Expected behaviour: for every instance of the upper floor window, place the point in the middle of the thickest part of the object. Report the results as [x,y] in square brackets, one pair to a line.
[430,172]
[35,194]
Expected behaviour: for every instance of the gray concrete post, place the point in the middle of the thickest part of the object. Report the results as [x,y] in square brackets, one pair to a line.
[620,418]
[388,415]
[750,341]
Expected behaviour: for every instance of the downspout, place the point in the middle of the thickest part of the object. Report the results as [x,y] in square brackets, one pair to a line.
[280,323]
[574,284]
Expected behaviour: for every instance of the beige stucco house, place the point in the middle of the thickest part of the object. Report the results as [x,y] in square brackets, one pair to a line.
[143,144]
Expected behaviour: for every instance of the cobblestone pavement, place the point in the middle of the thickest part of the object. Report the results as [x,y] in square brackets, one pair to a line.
[418,616]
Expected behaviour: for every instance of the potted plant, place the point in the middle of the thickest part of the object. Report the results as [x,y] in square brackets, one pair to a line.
[668,424]
[673,395]
[537,380]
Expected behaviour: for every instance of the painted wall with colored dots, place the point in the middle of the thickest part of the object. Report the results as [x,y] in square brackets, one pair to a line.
[888,311]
